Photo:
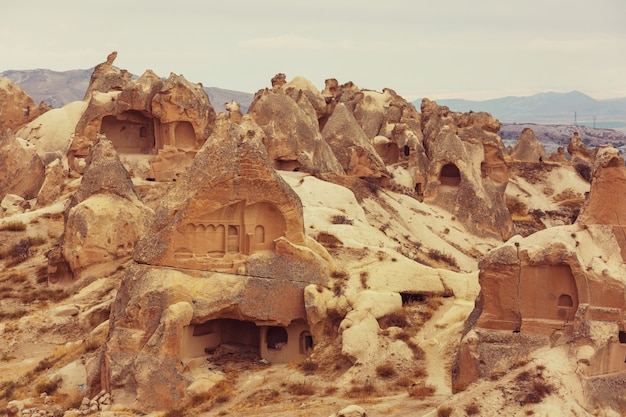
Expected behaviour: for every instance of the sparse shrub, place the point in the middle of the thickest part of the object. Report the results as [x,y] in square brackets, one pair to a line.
[309,366]
[11,315]
[584,170]
[329,241]
[404,381]
[341,219]
[472,409]
[18,253]
[420,372]
[444,411]
[494,376]
[8,388]
[398,318]
[438,255]
[301,388]
[364,276]
[386,370]
[49,385]
[360,391]
[372,184]
[37,240]
[44,364]
[330,390]
[13,226]
[418,352]
[421,390]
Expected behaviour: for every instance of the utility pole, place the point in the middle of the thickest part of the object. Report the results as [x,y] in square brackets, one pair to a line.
[594,122]
[575,119]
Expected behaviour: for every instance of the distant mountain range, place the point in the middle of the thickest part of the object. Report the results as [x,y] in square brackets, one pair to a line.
[58,88]
[547,108]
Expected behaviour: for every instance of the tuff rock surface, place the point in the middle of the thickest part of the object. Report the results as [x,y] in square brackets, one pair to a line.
[563,288]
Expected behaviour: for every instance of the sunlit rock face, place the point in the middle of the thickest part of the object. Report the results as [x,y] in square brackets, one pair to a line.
[16,107]
[23,172]
[104,220]
[563,286]
[225,262]
[155,125]
[466,173]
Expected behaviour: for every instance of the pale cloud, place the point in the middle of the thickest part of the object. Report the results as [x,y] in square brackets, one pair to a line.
[574,45]
[291,41]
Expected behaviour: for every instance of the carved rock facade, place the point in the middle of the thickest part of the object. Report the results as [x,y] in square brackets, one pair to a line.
[563,286]
[225,263]
[155,125]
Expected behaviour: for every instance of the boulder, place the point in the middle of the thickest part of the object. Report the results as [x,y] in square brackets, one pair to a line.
[105,204]
[51,133]
[16,107]
[23,171]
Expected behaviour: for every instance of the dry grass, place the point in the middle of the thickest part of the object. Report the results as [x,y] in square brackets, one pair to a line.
[368,389]
[440,256]
[328,240]
[472,409]
[301,388]
[386,370]
[341,219]
[444,411]
[48,385]
[13,226]
[364,276]
[308,366]
[421,390]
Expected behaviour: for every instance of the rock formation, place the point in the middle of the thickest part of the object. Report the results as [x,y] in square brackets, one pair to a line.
[562,287]
[103,221]
[528,148]
[225,262]
[351,146]
[578,150]
[22,170]
[16,107]
[467,173]
[293,139]
[155,125]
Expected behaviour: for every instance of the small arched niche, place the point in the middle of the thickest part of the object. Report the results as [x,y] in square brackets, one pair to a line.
[565,300]
[276,337]
[306,342]
[450,175]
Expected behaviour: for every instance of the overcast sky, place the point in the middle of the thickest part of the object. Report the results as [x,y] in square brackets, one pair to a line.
[476,49]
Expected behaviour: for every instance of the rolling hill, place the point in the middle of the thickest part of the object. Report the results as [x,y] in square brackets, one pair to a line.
[547,108]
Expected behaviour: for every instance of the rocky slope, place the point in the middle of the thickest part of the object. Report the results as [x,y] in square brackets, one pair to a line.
[329,252]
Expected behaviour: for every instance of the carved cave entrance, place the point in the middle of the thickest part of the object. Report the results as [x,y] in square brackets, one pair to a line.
[548,297]
[134,132]
[274,343]
[204,338]
[130,132]
[450,175]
